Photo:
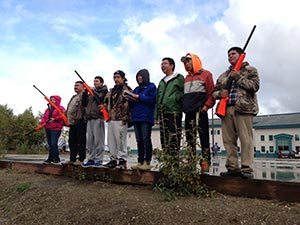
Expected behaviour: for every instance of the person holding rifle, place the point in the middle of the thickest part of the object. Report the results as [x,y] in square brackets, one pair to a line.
[241,106]
[77,124]
[53,126]
[95,135]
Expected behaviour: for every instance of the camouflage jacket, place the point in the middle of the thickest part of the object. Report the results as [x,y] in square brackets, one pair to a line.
[117,105]
[247,80]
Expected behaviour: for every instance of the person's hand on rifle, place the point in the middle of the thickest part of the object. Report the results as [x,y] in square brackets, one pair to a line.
[101,106]
[224,93]
[51,120]
[204,109]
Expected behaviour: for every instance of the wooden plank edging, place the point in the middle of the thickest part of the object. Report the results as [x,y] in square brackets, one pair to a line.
[263,189]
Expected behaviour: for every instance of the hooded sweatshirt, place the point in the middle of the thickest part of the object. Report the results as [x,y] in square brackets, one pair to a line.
[198,87]
[92,103]
[50,112]
[143,108]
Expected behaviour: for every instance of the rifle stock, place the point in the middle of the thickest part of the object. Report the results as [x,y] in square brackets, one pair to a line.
[221,107]
[104,111]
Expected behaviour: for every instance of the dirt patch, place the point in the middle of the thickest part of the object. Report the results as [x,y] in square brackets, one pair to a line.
[42,199]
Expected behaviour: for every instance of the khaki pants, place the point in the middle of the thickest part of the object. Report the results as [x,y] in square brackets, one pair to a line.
[234,126]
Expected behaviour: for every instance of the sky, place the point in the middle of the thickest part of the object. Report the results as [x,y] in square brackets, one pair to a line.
[43,42]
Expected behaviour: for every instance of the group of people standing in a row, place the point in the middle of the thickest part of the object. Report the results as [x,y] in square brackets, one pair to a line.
[165,104]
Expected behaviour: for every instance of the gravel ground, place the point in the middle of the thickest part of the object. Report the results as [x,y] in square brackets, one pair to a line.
[42,199]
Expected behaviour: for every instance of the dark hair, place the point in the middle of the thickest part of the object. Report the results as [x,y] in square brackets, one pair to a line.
[171,61]
[99,78]
[238,49]
[79,81]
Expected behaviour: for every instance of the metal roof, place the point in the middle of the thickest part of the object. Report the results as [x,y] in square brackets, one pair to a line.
[286,120]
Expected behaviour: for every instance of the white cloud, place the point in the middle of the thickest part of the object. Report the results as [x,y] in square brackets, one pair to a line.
[144,41]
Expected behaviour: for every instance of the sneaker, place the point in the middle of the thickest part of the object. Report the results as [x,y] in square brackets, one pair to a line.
[146,166]
[98,164]
[56,162]
[136,166]
[111,164]
[77,163]
[47,162]
[70,162]
[247,175]
[89,163]
[122,164]
[204,166]
[230,173]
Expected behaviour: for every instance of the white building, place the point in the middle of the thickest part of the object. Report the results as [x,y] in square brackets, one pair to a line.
[272,133]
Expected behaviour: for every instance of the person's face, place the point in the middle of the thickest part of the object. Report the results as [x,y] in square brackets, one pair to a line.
[78,88]
[166,67]
[53,100]
[233,57]
[188,65]
[118,80]
[140,79]
[97,83]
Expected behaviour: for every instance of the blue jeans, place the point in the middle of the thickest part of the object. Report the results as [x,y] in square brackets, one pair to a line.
[143,138]
[52,139]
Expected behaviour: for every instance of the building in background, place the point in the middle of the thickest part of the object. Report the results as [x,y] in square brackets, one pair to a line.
[273,134]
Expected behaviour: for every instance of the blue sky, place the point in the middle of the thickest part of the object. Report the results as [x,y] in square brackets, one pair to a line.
[43,42]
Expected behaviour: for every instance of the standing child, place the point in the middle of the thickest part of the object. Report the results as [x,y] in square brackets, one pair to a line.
[53,127]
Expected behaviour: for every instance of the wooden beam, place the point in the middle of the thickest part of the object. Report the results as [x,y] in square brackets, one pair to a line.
[263,189]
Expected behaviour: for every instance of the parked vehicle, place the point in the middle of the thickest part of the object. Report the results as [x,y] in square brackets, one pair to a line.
[286,154]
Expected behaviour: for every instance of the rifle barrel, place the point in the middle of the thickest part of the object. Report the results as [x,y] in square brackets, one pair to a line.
[247,42]
[79,76]
[39,90]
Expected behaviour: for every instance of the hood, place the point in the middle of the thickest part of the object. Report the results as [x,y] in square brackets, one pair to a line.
[57,99]
[196,61]
[145,75]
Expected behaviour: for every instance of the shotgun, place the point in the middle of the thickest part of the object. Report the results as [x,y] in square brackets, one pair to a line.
[104,111]
[221,108]
[61,113]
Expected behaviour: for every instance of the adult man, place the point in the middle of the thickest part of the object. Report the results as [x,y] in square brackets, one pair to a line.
[168,111]
[95,123]
[241,107]
[77,132]
[197,99]
[119,113]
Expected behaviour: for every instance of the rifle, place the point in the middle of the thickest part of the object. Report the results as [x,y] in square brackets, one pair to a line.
[61,113]
[104,111]
[37,128]
[221,108]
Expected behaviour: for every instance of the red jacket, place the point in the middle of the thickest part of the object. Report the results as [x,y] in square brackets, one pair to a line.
[58,122]
[198,87]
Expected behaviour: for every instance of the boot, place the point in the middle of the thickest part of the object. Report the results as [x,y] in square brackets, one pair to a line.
[146,166]
[136,166]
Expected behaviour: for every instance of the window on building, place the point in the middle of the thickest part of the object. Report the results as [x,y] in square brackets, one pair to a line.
[263,149]
[218,132]
[270,137]
[262,137]
[297,137]
[271,149]
[129,135]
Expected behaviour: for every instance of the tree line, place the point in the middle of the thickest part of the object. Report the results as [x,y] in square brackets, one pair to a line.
[14,130]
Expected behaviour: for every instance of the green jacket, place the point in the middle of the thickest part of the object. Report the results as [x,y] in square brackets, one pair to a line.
[169,96]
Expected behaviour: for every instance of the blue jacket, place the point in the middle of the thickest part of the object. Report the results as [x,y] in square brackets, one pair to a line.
[143,108]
